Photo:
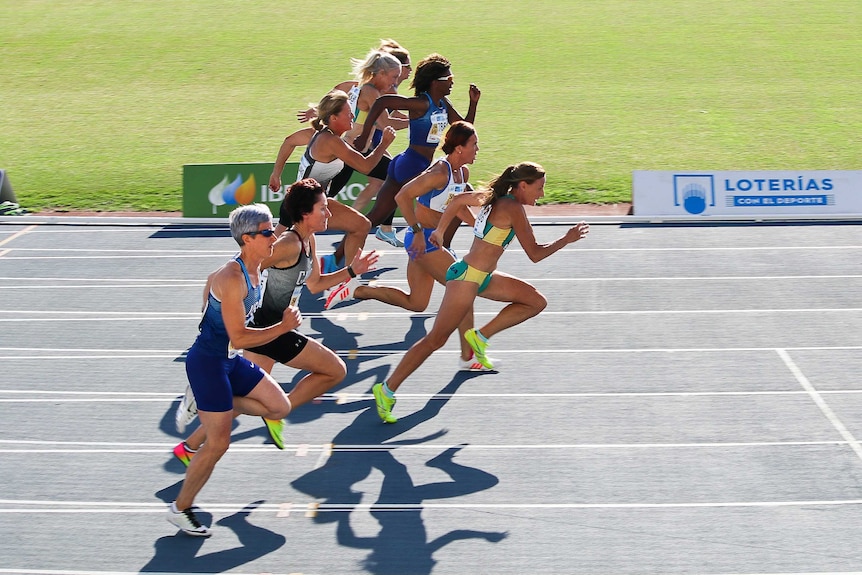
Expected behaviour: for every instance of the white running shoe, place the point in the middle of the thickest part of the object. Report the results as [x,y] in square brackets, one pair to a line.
[341,292]
[473,364]
[187,522]
[187,410]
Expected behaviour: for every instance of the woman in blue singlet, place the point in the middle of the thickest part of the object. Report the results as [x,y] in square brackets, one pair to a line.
[501,218]
[291,266]
[224,382]
[430,113]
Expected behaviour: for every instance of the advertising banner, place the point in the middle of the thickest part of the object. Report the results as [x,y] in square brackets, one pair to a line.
[747,193]
[214,190]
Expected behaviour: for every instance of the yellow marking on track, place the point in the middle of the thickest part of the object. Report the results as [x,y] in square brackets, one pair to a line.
[352,354]
[311,512]
[17,235]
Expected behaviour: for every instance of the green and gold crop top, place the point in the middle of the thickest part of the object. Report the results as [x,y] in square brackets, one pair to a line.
[487,232]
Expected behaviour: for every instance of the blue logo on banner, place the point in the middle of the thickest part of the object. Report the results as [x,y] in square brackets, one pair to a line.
[693,192]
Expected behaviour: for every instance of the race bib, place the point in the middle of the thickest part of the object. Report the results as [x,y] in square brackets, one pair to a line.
[481,220]
[439,123]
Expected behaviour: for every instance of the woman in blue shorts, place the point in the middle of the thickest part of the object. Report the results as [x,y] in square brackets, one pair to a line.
[501,218]
[222,380]
[291,266]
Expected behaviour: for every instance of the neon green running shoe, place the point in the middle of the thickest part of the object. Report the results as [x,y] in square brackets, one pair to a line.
[479,348]
[275,427]
[384,404]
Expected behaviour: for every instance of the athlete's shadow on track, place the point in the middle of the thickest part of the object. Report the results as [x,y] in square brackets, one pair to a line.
[402,545]
[179,553]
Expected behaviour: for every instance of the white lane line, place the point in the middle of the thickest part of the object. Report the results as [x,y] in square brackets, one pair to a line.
[818,400]
[327,449]
[90,350]
[31,279]
[135,507]
[387,280]
[88,397]
[347,316]
[512,250]
[106,313]
[121,257]
[88,393]
[353,354]
[135,356]
[133,254]
[171,398]
[124,251]
[102,286]
[187,317]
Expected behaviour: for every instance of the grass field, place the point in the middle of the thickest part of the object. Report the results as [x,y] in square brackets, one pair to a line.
[103,102]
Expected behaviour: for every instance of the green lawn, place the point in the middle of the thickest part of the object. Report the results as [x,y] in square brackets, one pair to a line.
[103,102]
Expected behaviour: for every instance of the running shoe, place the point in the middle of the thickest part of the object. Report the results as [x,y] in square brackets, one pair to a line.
[187,410]
[479,348]
[384,404]
[329,264]
[341,292]
[275,427]
[183,454]
[187,522]
[390,237]
[473,364]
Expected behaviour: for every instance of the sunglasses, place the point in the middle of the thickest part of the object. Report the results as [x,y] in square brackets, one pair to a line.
[268,233]
[444,78]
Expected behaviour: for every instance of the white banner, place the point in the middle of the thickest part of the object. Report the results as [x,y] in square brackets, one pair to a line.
[761,193]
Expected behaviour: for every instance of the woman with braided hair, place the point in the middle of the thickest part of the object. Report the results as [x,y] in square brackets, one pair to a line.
[501,219]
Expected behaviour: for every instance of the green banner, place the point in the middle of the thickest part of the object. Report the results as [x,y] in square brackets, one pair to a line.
[214,190]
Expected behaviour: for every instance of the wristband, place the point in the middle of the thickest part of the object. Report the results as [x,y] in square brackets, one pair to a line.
[350,271]
[416,228]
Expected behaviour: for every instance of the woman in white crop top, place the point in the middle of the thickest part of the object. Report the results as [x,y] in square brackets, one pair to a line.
[327,151]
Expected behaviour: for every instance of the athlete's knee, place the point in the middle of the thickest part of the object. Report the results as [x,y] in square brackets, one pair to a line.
[336,370]
[415,304]
[217,444]
[436,340]
[538,302]
[278,407]
[364,226]
[359,225]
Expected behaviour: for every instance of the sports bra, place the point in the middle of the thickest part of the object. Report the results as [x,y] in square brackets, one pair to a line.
[427,130]
[437,200]
[487,232]
[323,172]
